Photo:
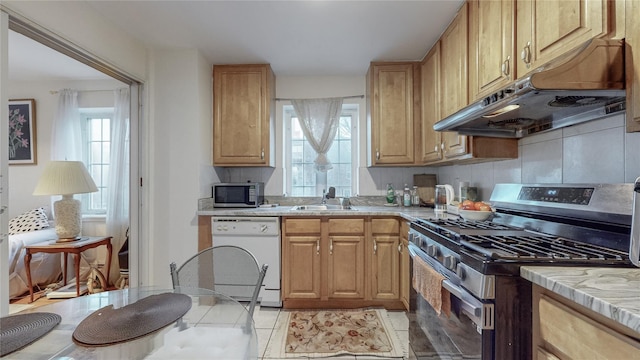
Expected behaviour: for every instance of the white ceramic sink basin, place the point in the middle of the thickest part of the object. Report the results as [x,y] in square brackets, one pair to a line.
[322,207]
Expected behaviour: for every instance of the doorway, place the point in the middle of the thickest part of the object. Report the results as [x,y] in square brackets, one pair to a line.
[13,25]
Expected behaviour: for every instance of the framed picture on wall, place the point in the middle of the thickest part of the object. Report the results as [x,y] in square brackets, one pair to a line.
[22,132]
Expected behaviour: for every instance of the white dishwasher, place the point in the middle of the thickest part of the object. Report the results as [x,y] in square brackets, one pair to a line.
[261,237]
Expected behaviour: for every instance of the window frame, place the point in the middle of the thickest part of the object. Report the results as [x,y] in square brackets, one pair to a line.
[85,115]
[348,109]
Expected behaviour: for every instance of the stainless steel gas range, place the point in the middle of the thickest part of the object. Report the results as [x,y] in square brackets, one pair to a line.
[533,224]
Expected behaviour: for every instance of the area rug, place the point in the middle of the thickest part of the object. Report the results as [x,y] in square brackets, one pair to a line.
[326,333]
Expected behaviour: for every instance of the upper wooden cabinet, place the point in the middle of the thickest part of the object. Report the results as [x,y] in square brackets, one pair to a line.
[390,113]
[430,105]
[243,115]
[546,29]
[453,79]
[491,46]
[632,52]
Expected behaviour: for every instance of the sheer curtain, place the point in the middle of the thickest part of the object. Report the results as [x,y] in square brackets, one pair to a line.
[319,119]
[66,137]
[118,180]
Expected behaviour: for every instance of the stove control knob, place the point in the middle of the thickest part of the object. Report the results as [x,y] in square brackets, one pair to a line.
[432,250]
[461,273]
[450,262]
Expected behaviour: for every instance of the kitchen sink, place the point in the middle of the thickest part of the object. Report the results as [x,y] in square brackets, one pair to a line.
[322,207]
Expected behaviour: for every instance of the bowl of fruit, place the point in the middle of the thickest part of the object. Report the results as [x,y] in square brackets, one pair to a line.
[475,210]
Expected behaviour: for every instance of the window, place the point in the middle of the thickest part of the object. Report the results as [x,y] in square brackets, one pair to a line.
[96,137]
[302,179]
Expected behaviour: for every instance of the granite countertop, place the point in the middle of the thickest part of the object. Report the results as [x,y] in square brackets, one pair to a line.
[408,213]
[611,292]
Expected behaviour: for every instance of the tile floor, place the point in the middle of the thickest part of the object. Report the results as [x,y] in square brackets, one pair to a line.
[265,322]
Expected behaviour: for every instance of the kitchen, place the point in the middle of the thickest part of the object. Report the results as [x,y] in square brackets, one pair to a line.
[599,152]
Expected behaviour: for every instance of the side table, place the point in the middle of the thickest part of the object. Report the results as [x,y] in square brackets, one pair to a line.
[71,247]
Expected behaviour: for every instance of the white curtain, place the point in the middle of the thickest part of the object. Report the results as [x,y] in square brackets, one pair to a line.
[66,139]
[118,180]
[319,120]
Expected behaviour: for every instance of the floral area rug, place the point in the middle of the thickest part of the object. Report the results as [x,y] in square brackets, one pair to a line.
[323,333]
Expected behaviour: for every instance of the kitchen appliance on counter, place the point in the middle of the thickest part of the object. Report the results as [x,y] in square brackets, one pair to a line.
[537,224]
[585,84]
[261,237]
[238,195]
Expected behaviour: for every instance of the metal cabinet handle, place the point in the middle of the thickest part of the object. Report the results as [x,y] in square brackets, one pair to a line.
[377,154]
[505,66]
[375,247]
[526,54]
[330,246]
[262,154]
[317,247]
[436,148]
[400,248]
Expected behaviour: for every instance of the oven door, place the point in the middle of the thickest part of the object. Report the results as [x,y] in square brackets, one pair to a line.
[467,334]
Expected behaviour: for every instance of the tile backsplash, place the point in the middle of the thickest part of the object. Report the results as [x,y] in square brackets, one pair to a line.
[595,152]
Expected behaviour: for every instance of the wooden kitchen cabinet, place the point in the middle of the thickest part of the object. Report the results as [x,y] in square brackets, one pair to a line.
[391,107]
[405,268]
[491,46]
[385,264]
[441,76]
[547,29]
[332,262]
[453,79]
[243,115]
[346,270]
[430,105]
[301,261]
[568,331]
[323,258]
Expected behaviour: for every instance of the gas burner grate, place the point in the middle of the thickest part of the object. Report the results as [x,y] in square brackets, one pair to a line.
[538,247]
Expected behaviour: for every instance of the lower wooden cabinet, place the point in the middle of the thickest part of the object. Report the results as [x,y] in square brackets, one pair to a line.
[341,262]
[566,330]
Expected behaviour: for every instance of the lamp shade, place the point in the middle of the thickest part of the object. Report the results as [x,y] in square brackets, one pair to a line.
[65,178]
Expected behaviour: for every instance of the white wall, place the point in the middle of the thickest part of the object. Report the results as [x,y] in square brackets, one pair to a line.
[179,156]
[23,178]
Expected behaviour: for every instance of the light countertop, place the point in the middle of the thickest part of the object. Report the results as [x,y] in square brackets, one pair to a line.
[408,213]
[611,292]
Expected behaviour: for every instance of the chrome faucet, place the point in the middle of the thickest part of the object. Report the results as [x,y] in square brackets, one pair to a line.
[331,194]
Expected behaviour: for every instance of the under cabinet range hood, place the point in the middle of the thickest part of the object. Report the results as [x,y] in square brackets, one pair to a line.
[586,84]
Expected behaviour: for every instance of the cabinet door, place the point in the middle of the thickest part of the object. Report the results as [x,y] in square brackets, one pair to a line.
[301,267]
[385,267]
[547,29]
[491,46]
[430,109]
[632,51]
[391,113]
[453,79]
[346,267]
[242,99]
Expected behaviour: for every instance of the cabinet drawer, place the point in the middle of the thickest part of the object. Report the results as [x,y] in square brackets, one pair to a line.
[302,226]
[579,337]
[346,226]
[385,226]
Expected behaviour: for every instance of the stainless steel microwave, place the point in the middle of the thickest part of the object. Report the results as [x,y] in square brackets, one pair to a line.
[238,195]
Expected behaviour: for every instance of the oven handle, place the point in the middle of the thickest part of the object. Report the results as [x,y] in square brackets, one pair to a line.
[470,304]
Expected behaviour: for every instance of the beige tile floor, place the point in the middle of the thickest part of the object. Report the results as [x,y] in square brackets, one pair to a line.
[265,320]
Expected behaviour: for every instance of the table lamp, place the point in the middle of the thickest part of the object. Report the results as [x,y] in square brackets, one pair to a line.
[66,178]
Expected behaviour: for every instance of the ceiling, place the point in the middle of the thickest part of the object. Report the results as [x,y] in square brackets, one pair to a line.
[298,38]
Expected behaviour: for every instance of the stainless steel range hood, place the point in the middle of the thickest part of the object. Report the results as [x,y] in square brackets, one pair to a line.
[586,84]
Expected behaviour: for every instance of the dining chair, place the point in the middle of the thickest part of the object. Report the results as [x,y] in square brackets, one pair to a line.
[227,269]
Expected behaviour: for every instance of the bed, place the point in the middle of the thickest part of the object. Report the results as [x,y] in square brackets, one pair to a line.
[27,229]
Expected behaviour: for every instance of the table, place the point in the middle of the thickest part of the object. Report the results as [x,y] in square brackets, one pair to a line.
[71,247]
[217,327]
